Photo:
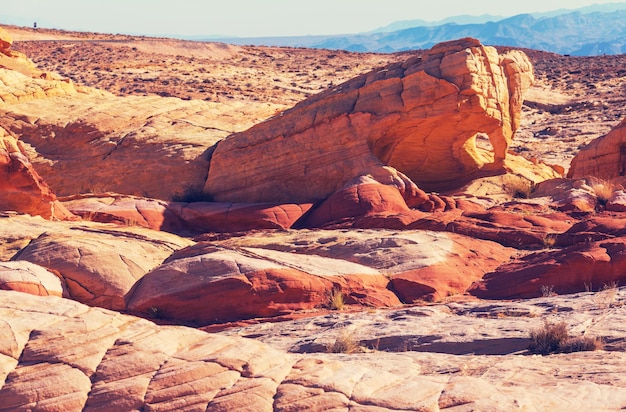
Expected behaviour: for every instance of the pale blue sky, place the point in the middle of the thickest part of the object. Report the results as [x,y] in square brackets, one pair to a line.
[247,18]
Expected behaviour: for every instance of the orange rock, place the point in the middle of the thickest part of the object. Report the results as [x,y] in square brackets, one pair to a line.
[570,270]
[604,158]
[6,41]
[21,188]
[420,117]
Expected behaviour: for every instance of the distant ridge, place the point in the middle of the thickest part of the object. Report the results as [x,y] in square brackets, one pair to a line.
[589,31]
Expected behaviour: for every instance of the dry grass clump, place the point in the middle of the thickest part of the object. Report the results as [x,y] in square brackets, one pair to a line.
[335,299]
[520,189]
[346,343]
[554,338]
[603,190]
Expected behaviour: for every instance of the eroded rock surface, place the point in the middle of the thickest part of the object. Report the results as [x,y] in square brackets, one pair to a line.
[604,157]
[21,188]
[420,117]
[67,356]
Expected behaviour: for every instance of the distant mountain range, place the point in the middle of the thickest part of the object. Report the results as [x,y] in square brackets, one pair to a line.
[589,31]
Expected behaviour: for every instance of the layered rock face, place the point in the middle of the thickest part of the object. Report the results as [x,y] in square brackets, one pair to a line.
[86,140]
[420,117]
[21,188]
[604,158]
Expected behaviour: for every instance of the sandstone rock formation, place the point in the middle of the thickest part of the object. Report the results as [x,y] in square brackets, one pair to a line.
[420,117]
[272,274]
[100,265]
[67,356]
[21,187]
[184,217]
[603,158]
[29,278]
[86,140]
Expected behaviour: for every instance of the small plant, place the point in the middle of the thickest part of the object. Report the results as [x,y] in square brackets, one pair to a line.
[549,241]
[554,338]
[607,295]
[604,190]
[345,343]
[155,312]
[548,291]
[336,299]
[520,189]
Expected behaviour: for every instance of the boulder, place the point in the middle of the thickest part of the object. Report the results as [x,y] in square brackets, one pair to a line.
[210,283]
[29,278]
[21,188]
[275,273]
[420,117]
[237,217]
[569,270]
[100,265]
[603,158]
[364,196]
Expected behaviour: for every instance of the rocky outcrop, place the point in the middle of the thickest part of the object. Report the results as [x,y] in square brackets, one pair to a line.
[100,265]
[272,274]
[86,140]
[569,270]
[420,117]
[21,188]
[184,217]
[603,158]
[66,356]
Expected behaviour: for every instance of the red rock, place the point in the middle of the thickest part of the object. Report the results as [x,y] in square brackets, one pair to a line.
[361,197]
[237,217]
[208,283]
[569,270]
[468,261]
[99,266]
[594,228]
[21,187]
[184,218]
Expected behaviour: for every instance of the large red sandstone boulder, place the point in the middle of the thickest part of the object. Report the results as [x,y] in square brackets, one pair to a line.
[100,265]
[362,196]
[604,158]
[420,117]
[21,188]
[208,283]
[573,269]
[274,273]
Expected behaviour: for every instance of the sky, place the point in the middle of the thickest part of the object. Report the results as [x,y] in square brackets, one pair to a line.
[255,18]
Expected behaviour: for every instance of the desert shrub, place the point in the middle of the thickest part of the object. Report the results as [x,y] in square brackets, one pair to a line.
[520,189]
[335,299]
[581,344]
[554,338]
[345,343]
[603,190]
[192,194]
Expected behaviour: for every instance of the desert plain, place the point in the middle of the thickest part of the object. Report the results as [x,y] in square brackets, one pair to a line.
[199,226]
